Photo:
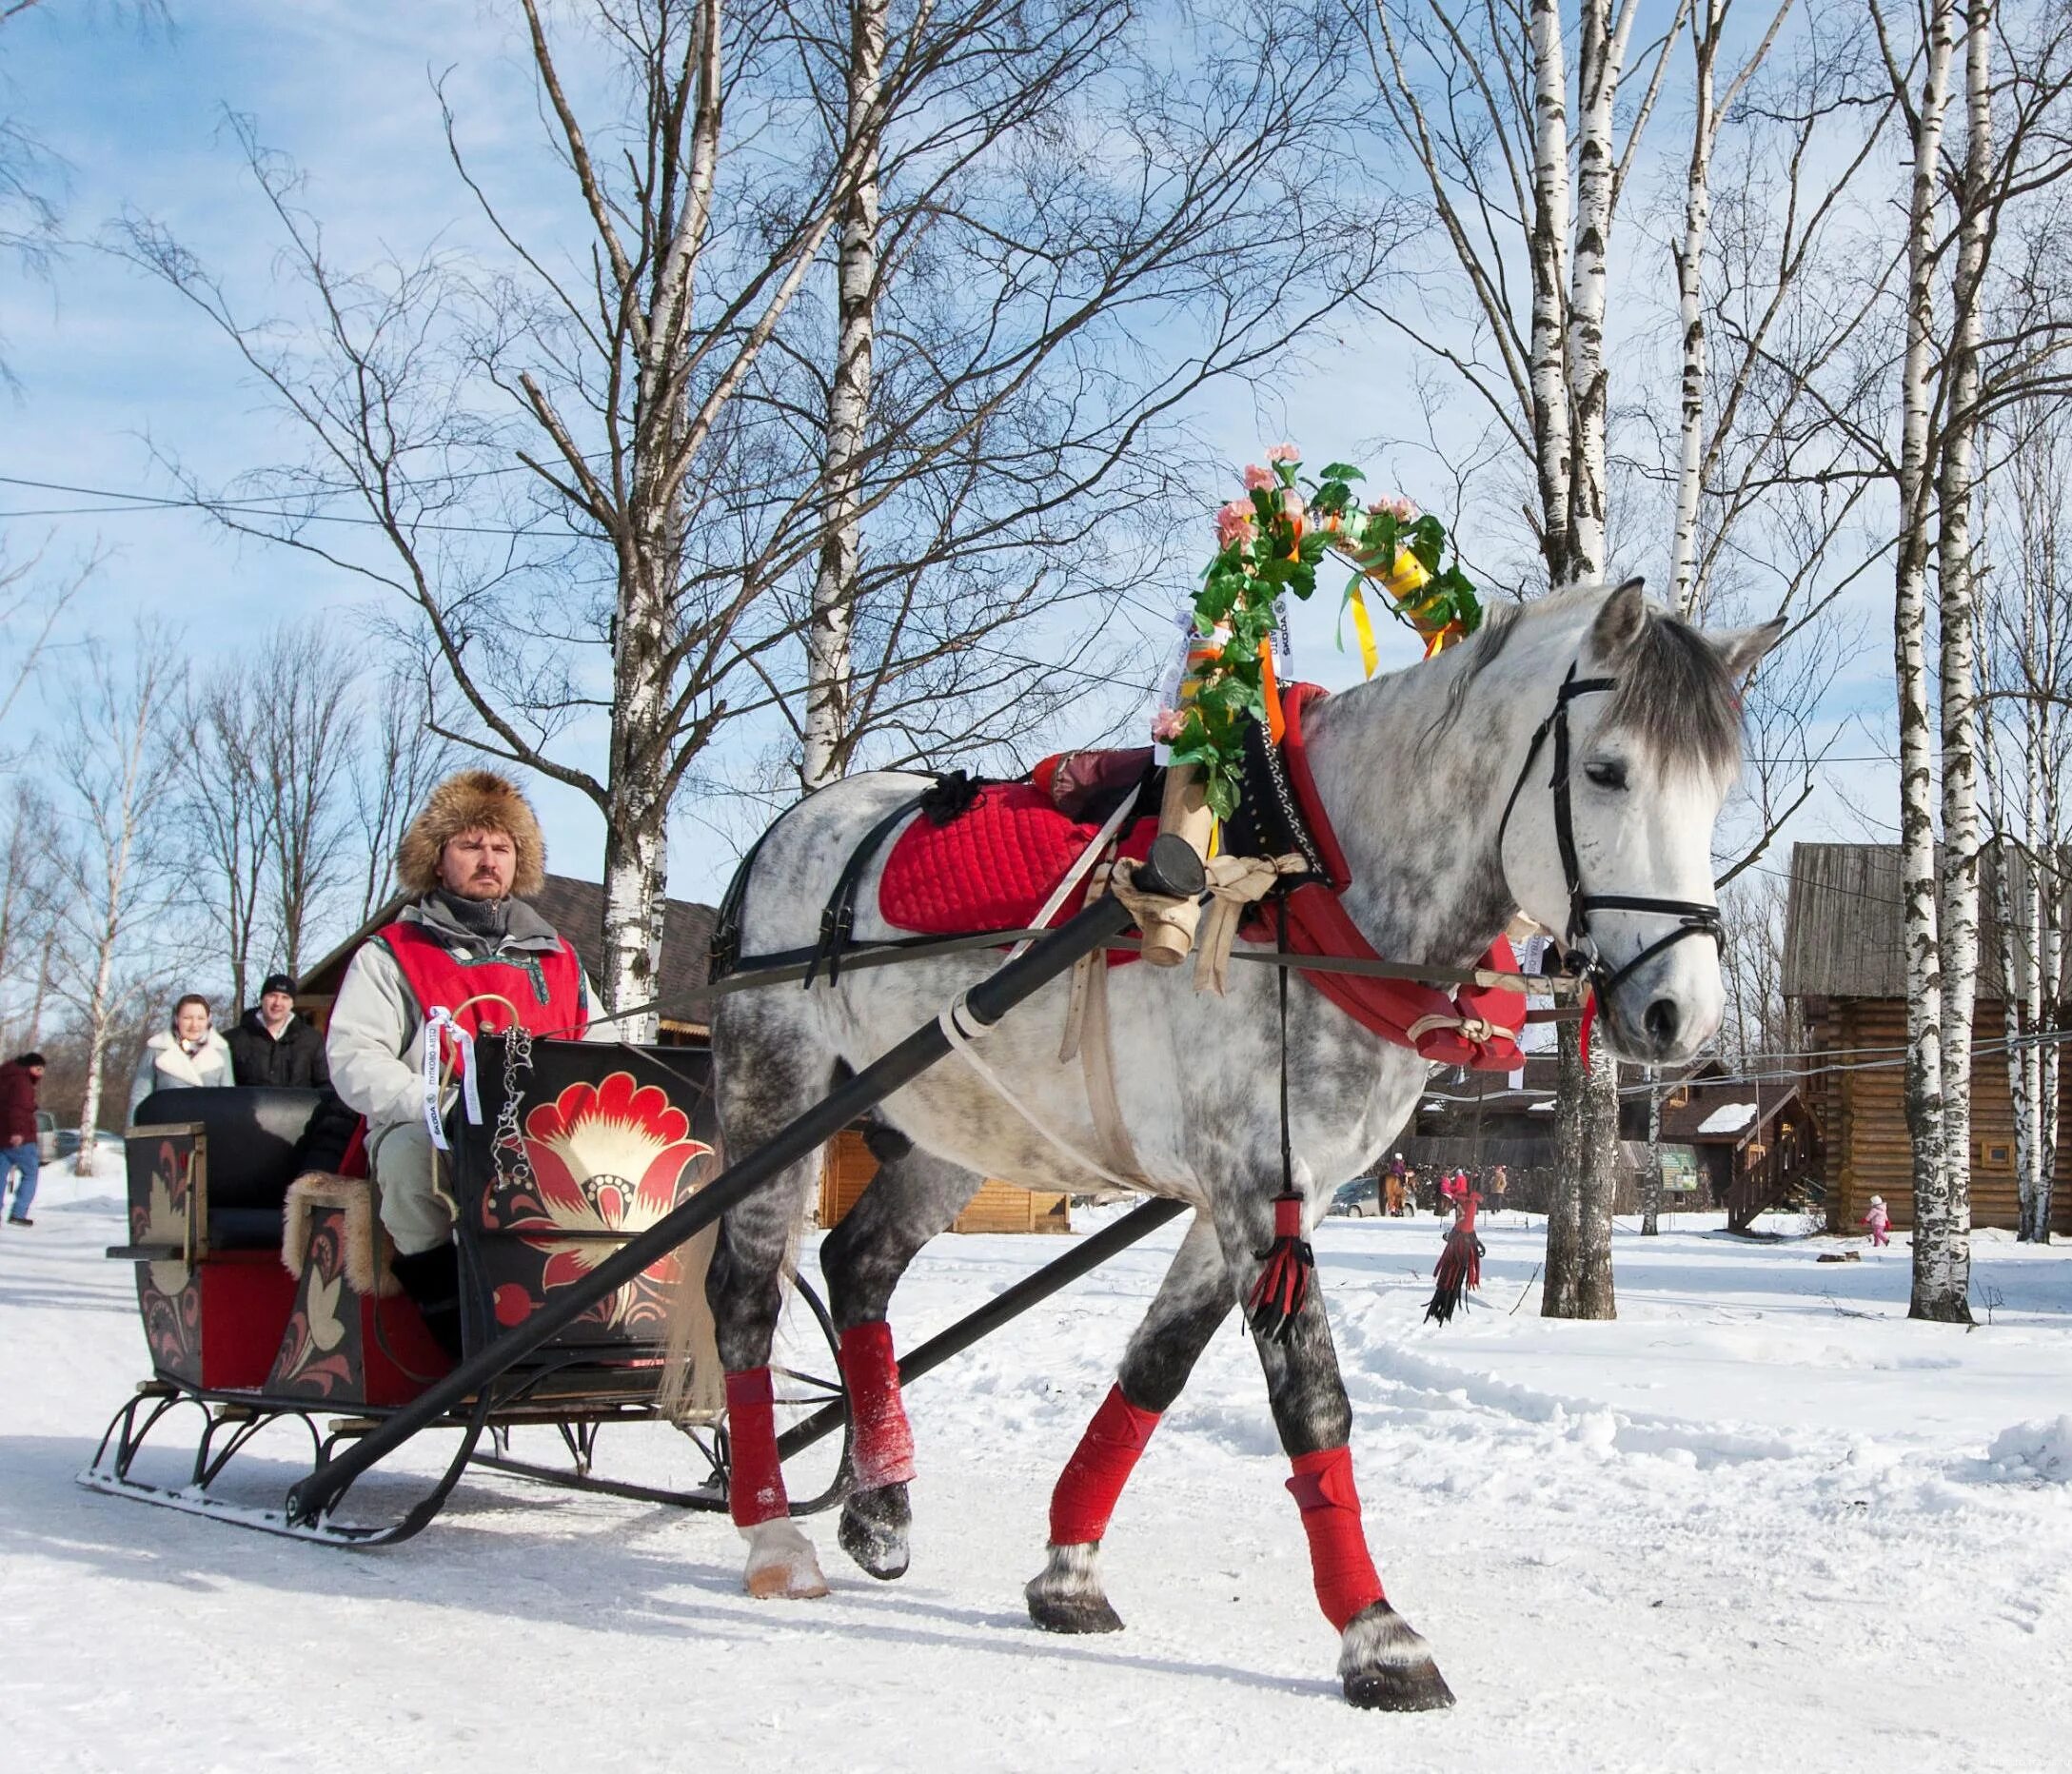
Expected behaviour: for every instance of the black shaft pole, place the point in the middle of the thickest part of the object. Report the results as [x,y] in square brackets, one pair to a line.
[1059,1272]
[1172,868]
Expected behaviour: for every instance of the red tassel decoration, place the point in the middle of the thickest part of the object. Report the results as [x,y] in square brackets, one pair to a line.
[1589,1022]
[1277,1297]
[1460,1264]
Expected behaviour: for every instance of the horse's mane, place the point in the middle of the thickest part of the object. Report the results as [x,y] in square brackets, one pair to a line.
[1675,695]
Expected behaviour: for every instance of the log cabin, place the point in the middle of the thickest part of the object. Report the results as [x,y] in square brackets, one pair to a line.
[1844,973]
[1726,1141]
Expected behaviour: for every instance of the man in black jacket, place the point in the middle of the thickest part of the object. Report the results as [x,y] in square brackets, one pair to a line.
[272,1045]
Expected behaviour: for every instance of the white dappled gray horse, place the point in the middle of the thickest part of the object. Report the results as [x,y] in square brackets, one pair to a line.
[1415,772]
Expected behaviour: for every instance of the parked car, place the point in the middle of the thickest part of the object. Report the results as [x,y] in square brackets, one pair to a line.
[66,1141]
[46,1136]
[1358,1199]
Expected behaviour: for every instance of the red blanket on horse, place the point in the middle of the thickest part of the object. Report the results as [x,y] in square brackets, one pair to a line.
[993,866]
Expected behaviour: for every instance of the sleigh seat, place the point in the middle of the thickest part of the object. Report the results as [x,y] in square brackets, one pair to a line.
[208,1170]
[252,1135]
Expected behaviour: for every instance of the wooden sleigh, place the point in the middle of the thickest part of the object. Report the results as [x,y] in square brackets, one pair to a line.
[561,1281]
[267,1300]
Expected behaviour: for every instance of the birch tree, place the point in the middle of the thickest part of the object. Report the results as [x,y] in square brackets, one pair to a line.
[226,812]
[605,377]
[2025,745]
[29,880]
[404,752]
[1710,104]
[112,760]
[1776,274]
[1096,211]
[1494,139]
[1954,376]
[30,611]
[306,732]
[832,622]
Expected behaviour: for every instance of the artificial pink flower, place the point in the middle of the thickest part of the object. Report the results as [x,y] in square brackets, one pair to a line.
[1294,510]
[1234,523]
[1258,479]
[1166,725]
[1403,510]
[1284,452]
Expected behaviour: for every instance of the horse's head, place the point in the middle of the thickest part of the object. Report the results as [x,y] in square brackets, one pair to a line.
[1609,838]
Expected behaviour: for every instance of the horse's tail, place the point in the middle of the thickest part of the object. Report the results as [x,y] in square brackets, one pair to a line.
[692,1383]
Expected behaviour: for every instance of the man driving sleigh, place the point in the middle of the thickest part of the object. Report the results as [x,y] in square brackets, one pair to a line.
[466,947]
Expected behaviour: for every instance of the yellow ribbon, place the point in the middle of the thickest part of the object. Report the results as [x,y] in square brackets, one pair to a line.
[1363,626]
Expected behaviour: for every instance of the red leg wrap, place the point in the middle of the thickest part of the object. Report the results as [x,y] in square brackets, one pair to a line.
[756,1492]
[1346,1579]
[1099,1467]
[881,1450]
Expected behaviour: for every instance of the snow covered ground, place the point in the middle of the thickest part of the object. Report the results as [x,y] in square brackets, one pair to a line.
[1759,1523]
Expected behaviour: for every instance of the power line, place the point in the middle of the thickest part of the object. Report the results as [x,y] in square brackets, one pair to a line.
[129,502]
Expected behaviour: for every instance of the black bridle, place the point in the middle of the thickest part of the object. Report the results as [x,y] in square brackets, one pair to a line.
[1580,953]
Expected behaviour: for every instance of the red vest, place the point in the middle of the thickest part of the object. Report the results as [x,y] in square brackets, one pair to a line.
[544,990]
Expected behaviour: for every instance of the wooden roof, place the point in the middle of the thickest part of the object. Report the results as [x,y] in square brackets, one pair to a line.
[1450,1106]
[1727,1112]
[1844,927]
[576,907]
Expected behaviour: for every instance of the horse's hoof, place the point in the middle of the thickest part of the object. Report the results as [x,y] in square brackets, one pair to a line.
[873,1530]
[1056,1613]
[1068,1596]
[781,1565]
[1387,1667]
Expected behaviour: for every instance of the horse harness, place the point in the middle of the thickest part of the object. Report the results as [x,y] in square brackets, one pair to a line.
[1580,953]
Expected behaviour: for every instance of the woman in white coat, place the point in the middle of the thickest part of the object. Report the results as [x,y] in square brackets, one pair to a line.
[186,1056]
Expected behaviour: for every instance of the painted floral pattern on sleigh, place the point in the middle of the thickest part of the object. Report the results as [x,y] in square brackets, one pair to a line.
[605,1161]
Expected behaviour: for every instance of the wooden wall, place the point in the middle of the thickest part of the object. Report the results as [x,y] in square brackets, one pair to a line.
[1863,1116]
[998,1205]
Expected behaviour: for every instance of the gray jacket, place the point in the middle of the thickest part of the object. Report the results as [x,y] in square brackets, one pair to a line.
[165,1065]
[373,1041]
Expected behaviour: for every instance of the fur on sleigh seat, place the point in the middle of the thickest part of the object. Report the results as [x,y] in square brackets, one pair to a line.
[367,1251]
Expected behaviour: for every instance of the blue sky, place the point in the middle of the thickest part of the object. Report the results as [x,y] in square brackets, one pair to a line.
[112,365]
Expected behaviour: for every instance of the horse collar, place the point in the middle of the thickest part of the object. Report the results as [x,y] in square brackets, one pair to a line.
[1285,768]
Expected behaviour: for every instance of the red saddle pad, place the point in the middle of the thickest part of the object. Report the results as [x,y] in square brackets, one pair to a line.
[993,866]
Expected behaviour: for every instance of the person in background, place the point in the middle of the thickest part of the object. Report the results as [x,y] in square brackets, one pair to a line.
[1499,1187]
[272,1045]
[1880,1221]
[190,1055]
[1397,1175]
[18,1155]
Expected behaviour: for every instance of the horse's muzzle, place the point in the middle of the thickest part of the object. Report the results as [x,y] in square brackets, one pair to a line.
[1662,1017]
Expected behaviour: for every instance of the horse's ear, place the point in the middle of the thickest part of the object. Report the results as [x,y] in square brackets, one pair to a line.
[1619,623]
[1741,648]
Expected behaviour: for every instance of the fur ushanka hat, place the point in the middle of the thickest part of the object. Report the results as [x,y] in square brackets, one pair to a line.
[475,800]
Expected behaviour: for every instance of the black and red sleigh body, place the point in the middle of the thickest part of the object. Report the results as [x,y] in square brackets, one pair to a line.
[267,1303]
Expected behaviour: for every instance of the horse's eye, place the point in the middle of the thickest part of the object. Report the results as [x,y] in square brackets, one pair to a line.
[1608,774]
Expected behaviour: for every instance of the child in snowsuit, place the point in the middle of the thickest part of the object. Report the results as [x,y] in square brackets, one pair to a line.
[1879,1221]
